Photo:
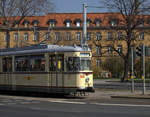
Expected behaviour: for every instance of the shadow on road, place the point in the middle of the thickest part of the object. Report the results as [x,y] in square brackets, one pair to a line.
[41,95]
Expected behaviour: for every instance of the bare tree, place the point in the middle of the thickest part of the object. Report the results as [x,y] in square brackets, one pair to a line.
[131,15]
[14,11]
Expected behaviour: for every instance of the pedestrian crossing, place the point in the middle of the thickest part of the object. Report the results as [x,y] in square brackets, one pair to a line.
[24,101]
[16,101]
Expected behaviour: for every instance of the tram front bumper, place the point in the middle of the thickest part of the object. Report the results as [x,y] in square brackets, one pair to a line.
[86,89]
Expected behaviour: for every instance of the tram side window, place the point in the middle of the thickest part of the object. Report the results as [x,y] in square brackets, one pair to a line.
[60,63]
[7,64]
[56,62]
[37,63]
[22,63]
[30,63]
[52,63]
[73,64]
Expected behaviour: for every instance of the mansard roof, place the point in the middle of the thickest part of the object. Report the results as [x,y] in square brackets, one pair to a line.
[59,18]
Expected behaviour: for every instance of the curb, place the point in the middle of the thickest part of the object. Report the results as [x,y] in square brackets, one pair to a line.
[132,97]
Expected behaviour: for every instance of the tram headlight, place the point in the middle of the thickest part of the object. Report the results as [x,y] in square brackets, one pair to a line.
[87,79]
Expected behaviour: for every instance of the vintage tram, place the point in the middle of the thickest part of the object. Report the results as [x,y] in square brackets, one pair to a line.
[46,68]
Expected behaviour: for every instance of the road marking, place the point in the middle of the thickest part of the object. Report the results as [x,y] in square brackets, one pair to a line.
[11,103]
[68,102]
[1,104]
[35,102]
[25,102]
[124,105]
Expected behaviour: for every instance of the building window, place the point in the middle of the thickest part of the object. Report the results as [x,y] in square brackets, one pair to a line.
[148,22]
[90,46]
[57,36]
[51,22]
[68,36]
[98,50]
[68,22]
[120,36]
[36,36]
[113,22]
[5,37]
[132,36]
[98,62]
[16,23]
[98,36]
[78,36]
[89,21]
[140,22]
[26,23]
[47,36]
[109,50]
[16,36]
[88,36]
[77,22]
[97,22]
[120,48]
[110,36]
[35,22]
[26,36]
[141,36]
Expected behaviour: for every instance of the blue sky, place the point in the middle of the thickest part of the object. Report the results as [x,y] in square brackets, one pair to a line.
[75,6]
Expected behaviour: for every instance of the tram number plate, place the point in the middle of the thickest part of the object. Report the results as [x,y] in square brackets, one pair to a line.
[82,76]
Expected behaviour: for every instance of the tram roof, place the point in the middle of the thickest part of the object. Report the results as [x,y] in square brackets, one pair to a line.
[41,49]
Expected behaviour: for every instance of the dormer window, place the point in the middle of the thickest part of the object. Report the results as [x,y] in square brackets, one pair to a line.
[97,22]
[141,22]
[35,22]
[16,23]
[113,22]
[6,23]
[51,22]
[148,22]
[89,21]
[26,23]
[68,22]
[77,22]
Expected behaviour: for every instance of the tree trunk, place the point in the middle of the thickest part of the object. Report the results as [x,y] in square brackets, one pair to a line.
[7,39]
[126,69]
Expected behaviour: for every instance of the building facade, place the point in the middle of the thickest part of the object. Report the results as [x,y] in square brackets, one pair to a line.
[67,28]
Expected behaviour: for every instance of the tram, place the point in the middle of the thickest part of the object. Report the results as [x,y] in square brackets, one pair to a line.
[46,68]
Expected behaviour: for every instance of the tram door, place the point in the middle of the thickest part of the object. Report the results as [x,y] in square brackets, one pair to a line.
[7,69]
[60,71]
[57,71]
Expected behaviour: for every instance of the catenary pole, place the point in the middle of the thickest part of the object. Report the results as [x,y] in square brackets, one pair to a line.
[132,74]
[83,41]
[143,66]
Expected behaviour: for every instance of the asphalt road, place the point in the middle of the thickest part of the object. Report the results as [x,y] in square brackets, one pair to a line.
[14,106]
[116,84]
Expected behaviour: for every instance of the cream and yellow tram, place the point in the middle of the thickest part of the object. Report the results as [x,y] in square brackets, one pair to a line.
[46,68]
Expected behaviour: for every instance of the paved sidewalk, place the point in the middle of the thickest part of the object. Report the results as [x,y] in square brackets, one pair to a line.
[112,89]
[116,84]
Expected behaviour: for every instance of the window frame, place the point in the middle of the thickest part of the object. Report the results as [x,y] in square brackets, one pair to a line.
[26,36]
[78,36]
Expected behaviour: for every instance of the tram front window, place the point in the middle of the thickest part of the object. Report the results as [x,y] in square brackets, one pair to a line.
[73,64]
[77,64]
[85,64]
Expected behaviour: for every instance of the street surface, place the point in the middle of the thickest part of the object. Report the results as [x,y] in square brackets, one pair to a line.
[96,104]
[16,106]
[116,84]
